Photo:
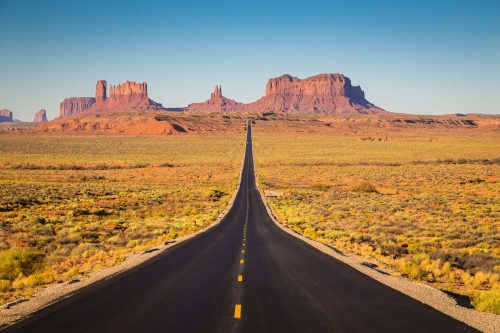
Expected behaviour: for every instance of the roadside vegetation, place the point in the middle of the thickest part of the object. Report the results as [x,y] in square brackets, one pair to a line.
[426,208]
[72,205]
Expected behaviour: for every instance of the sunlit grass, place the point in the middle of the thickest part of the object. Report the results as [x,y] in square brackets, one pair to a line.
[429,209]
[73,205]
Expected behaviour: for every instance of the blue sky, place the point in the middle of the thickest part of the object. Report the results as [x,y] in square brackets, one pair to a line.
[423,57]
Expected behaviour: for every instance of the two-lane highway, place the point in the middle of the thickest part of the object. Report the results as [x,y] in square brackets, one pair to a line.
[243,275]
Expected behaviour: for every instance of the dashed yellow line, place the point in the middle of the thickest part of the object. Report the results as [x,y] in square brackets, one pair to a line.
[240,278]
[237,311]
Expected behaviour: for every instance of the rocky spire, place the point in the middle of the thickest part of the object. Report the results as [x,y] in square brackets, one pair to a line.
[217,92]
[101,91]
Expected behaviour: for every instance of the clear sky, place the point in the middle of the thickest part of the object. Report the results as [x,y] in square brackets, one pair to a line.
[423,57]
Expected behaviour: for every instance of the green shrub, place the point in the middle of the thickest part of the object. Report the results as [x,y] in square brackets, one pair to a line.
[14,261]
[488,301]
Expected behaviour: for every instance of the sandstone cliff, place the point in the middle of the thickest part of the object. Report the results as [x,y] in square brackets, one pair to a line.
[130,95]
[75,105]
[40,116]
[323,93]
[6,116]
[216,103]
[125,96]
[101,91]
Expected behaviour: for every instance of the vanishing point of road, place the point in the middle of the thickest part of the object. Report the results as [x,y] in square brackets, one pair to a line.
[243,275]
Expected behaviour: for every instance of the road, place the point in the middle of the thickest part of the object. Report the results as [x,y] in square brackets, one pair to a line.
[243,275]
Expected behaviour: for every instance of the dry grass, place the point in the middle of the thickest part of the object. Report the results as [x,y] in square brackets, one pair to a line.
[73,205]
[429,209]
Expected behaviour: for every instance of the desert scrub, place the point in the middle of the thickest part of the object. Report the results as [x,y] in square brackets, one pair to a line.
[434,217]
[70,205]
[488,301]
[15,262]
[364,186]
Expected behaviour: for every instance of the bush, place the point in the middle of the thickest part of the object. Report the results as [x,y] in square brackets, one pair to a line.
[216,195]
[488,301]
[365,186]
[310,233]
[14,262]
[4,285]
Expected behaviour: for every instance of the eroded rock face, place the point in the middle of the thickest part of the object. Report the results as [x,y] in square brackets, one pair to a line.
[6,116]
[40,116]
[101,91]
[324,93]
[217,92]
[125,96]
[75,105]
[216,103]
[128,91]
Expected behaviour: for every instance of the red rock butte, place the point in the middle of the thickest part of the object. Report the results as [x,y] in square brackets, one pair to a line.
[216,103]
[125,96]
[40,116]
[323,93]
[6,116]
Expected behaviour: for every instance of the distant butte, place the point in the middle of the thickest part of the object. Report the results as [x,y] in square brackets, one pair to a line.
[6,116]
[40,116]
[216,103]
[324,93]
[125,96]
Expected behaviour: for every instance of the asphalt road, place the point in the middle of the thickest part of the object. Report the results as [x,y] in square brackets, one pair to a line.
[244,275]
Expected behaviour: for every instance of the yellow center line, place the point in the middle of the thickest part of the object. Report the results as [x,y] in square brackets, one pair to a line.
[240,278]
[237,311]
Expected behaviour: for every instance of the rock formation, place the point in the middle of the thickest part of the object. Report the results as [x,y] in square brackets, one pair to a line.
[125,96]
[101,91]
[6,116]
[323,93]
[217,94]
[75,105]
[216,103]
[40,116]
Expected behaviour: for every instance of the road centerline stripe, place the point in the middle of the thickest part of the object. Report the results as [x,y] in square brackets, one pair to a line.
[237,311]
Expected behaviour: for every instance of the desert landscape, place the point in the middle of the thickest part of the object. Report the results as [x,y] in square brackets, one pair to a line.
[424,205]
[73,205]
[249,167]
[418,195]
